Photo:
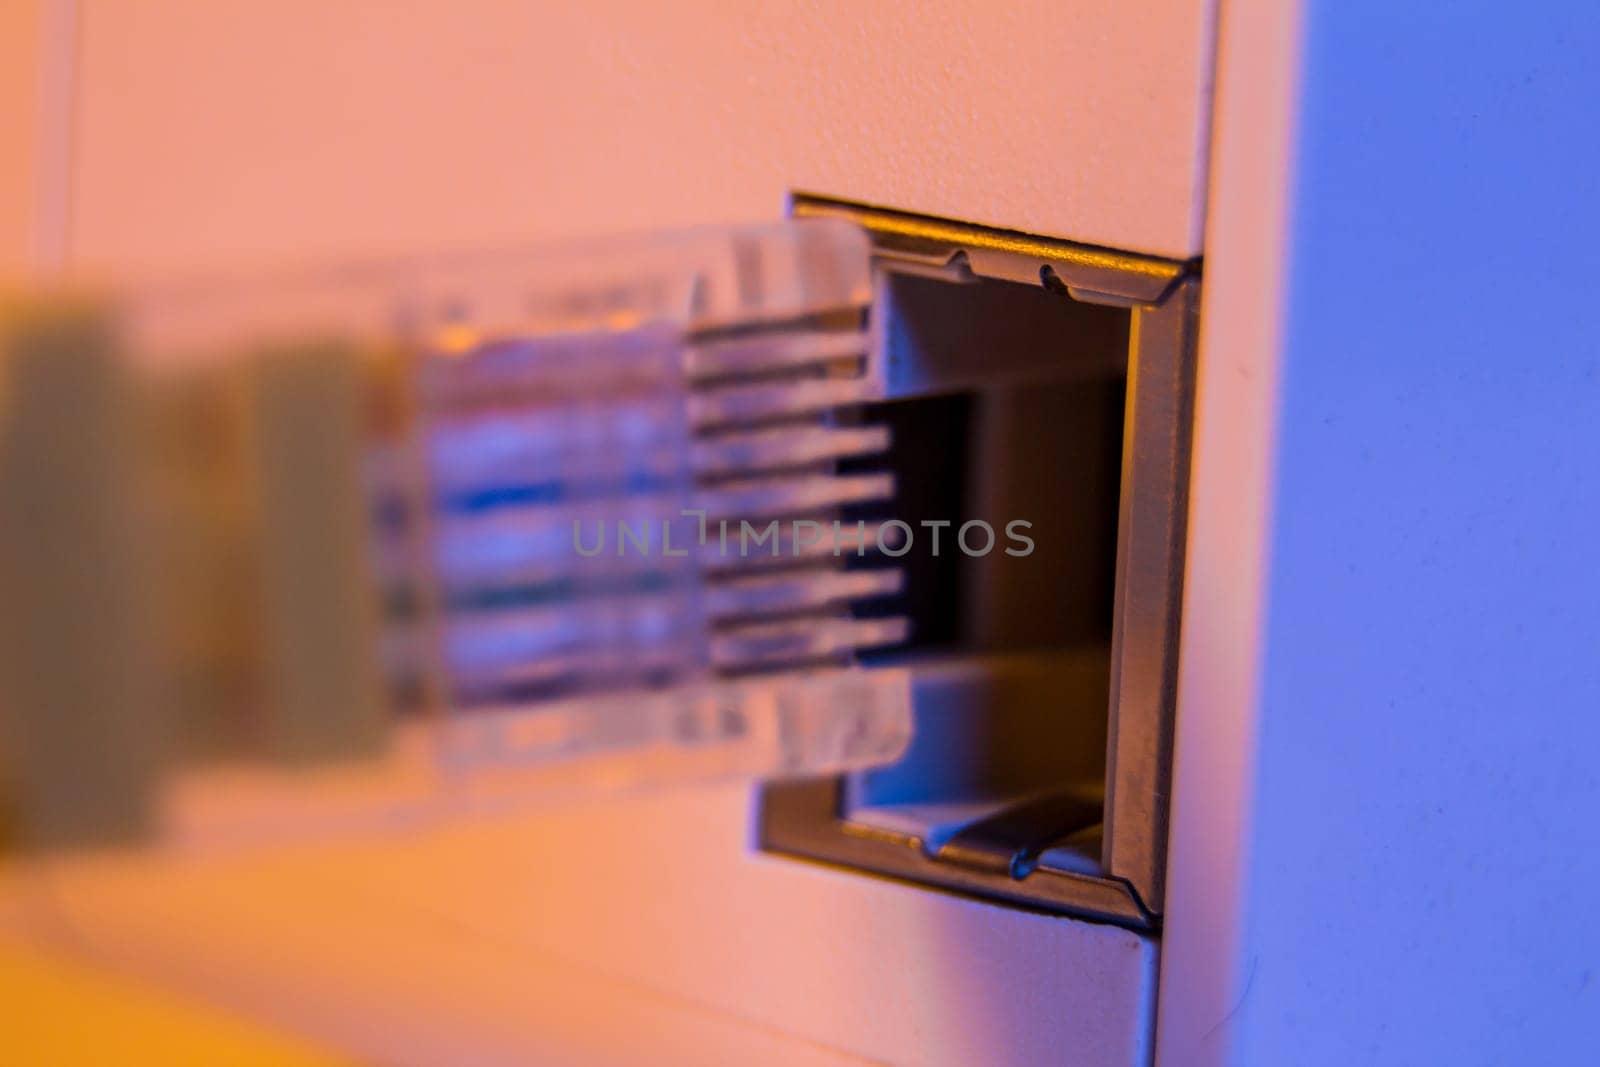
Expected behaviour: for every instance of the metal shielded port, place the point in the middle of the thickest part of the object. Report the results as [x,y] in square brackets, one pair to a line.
[1038,396]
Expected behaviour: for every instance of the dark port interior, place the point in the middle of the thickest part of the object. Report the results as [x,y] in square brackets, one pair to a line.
[1006,403]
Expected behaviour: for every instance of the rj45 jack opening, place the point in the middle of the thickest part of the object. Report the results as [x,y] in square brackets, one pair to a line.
[1038,397]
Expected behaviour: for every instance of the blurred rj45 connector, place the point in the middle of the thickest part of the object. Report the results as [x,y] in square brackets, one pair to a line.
[437,525]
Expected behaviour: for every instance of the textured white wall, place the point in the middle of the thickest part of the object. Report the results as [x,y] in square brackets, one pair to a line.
[1388,825]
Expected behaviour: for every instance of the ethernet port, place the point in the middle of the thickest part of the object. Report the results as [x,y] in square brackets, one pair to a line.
[1006,412]
[1040,430]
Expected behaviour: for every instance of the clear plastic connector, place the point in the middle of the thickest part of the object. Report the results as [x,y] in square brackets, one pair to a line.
[389,537]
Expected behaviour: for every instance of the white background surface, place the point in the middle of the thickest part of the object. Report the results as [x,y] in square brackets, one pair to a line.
[1386,834]
[170,135]
[205,131]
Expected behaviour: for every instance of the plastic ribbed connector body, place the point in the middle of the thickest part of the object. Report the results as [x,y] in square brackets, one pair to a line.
[532,519]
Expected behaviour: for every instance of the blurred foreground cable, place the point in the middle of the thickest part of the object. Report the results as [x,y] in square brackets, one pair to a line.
[331,548]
